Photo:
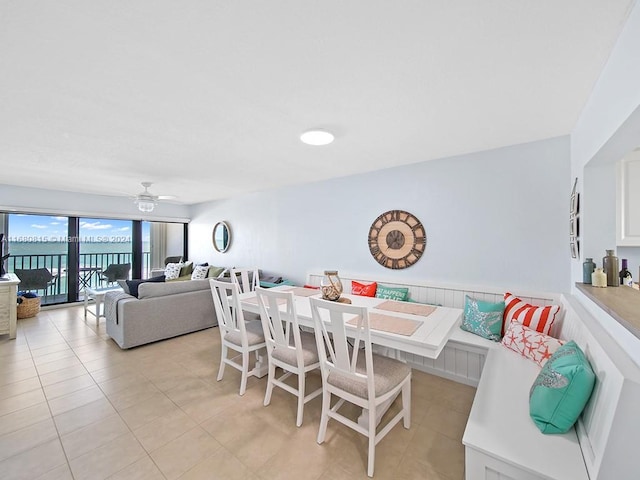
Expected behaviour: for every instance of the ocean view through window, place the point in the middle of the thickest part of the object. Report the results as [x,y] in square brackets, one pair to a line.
[38,242]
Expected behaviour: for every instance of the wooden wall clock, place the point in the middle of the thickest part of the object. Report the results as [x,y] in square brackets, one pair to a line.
[397,239]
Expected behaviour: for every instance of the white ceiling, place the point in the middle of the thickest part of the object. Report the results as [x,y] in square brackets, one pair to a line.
[207,98]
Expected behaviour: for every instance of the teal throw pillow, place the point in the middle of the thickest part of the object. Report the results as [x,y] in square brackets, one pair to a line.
[562,390]
[392,293]
[483,318]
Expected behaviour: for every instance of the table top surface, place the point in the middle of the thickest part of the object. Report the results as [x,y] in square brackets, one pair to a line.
[94,291]
[428,340]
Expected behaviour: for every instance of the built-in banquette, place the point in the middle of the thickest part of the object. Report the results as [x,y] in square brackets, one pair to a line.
[501,441]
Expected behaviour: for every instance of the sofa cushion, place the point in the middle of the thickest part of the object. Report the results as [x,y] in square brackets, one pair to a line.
[186,269]
[200,272]
[215,272]
[133,286]
[151,290]
[172,270]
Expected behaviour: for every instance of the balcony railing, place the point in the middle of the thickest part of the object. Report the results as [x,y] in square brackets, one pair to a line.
[90,268]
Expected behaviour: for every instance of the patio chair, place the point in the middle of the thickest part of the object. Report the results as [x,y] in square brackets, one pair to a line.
[116,271]
[176,259]
[35,279]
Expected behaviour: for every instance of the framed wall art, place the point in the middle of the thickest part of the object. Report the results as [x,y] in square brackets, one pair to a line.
[574,221]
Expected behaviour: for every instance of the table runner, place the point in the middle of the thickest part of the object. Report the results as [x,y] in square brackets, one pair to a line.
[390,324]
[405,307]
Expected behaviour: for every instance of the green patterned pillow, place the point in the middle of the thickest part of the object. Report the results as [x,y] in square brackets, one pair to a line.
[392,293]
[483,318]
[562,390]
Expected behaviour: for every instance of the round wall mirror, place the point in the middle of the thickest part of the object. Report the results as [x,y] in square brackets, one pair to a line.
[221,237]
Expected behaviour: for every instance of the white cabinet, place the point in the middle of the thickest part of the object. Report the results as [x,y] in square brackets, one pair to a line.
[8,305]
[628,201]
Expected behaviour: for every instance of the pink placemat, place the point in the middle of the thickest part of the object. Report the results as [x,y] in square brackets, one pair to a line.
[406,307]
[390,324]
[254,299]
[304,292]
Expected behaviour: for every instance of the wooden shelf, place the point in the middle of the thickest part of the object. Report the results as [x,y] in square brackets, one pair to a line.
[622,303]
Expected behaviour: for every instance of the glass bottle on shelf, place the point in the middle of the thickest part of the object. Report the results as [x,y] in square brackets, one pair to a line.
[611,269]
[625,274]
[587,269]
[330,285]
[599,278]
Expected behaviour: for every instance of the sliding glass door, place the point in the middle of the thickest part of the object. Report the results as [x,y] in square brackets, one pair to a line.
[105,252]
[58,257]
[39,255]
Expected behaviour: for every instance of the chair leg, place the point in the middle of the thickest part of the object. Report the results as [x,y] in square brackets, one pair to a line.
[372,440]
[324,419]
[301,389]
[245,372]
[406,404]
[270,378]
[223,357]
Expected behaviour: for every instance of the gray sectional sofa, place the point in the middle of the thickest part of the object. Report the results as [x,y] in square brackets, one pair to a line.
[162,310]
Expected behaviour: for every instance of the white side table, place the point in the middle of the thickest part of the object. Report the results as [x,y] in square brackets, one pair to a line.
[8,305]
[97,295]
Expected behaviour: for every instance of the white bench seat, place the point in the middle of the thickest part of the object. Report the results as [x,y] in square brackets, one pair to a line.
[501,441]
[500,437]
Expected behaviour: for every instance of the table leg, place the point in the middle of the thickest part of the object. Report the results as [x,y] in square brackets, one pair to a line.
[98,300]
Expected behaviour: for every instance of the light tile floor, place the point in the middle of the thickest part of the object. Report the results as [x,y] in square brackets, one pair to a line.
[74,405]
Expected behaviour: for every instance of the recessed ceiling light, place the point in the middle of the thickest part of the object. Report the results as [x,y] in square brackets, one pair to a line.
[317,137]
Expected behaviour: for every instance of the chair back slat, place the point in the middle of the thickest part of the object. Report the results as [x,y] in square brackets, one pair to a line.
[280,325]
[227,306]
[330,319]
[246,278]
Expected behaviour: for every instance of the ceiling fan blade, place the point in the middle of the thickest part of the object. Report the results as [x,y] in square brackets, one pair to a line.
[166,197]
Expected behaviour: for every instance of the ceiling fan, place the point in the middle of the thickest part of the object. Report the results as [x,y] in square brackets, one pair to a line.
[147,201]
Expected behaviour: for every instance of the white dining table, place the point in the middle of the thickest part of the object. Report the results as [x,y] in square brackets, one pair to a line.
[427,341]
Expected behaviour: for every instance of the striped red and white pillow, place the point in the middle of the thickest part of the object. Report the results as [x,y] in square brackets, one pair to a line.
[537,318]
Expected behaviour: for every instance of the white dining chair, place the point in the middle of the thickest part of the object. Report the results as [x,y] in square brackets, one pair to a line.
[356,375]
[289,348]
[236,334]
[246,278]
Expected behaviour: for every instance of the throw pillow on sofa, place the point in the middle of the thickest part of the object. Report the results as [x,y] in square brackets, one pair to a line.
[133,285]
[187,269]
[172,270]
[215,272]
[200,272]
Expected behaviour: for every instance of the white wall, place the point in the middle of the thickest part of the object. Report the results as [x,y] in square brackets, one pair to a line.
[36,200]
[492,218]
[608,128]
